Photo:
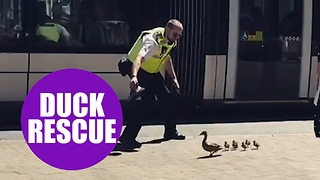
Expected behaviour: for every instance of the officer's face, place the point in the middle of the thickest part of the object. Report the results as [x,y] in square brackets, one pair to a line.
[174,34]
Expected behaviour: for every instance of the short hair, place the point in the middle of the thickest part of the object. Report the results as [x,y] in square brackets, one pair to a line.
[173,23]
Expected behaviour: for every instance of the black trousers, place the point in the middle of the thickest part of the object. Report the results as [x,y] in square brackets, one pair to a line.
[154,87]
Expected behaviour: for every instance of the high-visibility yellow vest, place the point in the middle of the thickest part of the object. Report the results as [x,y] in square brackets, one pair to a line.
[50,31]
[155,63]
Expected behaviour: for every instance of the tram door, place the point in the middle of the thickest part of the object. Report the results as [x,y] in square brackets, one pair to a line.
[269,50]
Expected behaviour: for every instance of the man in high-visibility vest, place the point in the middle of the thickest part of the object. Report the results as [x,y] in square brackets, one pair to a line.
[149,54]
[54,33]
[51,31]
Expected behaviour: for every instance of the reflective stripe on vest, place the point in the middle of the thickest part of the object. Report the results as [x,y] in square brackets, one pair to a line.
[155,63]
[50,31]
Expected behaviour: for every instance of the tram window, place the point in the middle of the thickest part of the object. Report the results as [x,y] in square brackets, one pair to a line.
[217,27]
[291,17]
[11,31]
[251,20]
[251,16]
[251,30]
[290,27]
[94,25]
[272,25]
[81,24]
[315,28]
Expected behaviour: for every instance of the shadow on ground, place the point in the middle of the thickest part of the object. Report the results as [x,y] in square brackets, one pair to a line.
[206,157]
[155,141]
[118,147]
[114,154]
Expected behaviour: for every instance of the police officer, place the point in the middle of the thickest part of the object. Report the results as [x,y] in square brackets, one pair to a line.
[149,54]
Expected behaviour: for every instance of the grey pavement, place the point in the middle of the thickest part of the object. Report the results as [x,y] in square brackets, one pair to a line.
[288,151]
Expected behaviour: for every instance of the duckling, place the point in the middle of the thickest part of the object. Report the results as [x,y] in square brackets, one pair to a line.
[212,148]
[226,145]
[257,145]
[234,145]
[244,146]
[247,143]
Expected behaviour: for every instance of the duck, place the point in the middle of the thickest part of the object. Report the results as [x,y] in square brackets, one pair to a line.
[244,146]
[247,142]
[234,145]
[226,145]
[257,145]
[212,148]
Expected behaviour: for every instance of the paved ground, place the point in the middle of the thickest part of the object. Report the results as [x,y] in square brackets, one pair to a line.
[289,151]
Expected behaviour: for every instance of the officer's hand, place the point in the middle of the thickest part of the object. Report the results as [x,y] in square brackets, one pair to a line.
[176,85]
[134,83]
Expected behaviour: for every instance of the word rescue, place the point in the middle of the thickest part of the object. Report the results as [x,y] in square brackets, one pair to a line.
[97,128]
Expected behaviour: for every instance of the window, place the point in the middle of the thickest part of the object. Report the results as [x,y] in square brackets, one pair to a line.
[95,25]
[251,19]
[11,30]
[291,18]
[270,27]
[217,27]
[315,28]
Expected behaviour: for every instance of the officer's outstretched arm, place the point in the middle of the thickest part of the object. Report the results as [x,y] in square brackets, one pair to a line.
[136,65]
[169,68]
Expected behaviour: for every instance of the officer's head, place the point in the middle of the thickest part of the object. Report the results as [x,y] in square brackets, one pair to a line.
[174,30]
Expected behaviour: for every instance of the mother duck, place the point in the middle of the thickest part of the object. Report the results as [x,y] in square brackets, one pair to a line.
[212,148]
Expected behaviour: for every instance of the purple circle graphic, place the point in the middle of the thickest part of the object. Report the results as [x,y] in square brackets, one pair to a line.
[71,119]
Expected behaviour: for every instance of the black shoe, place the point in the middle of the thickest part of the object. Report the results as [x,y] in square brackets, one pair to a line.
[132,144]
[175,136]
[135,94]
